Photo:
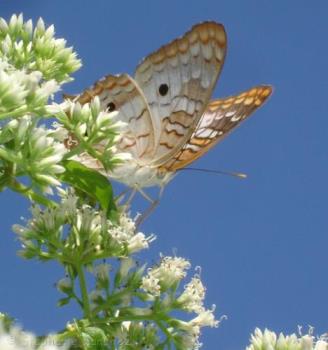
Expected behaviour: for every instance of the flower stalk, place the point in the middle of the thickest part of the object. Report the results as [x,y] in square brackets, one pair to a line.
[84,292]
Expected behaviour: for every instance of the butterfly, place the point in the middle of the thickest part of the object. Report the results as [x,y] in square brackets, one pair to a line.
[170,118]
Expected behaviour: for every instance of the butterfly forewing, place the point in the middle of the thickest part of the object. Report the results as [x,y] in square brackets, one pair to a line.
[121,93]
[177,81]
[220,118]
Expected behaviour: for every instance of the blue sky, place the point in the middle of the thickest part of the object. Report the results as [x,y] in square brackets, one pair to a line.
[261,242]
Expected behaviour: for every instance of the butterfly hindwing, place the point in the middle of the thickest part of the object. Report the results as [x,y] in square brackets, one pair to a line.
[177,81]
[219,119]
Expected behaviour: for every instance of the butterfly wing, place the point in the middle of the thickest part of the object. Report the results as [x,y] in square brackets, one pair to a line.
[219,119]
[122,93]
[177,81]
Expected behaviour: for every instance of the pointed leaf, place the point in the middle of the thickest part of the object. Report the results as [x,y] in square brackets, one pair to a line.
[91,182]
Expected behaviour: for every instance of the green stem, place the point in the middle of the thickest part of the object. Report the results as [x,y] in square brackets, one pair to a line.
[15,113]
[84,292]
[29,193]
[25,110]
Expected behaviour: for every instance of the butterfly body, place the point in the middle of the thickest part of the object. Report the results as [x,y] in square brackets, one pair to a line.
[166,106]
[139,176]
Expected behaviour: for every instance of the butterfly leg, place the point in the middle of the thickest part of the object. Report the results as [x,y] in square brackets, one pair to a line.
[151,208]
[129,200]
[121,196]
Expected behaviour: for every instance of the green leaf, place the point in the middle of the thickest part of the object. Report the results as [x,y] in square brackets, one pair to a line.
[92,183]
[63,301]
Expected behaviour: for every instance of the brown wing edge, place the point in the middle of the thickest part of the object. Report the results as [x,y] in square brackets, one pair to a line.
[203,33]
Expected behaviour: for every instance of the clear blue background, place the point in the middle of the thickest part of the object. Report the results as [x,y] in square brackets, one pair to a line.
[261,242]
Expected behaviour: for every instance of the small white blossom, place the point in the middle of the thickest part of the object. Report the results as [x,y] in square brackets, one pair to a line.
[40,26]
[46,90]
[64,285]
[139,242]
[126,264]
[12,91]
[69,202]
[190,339]
[193,296]
[205,318]
[95,296]
[151,285]
[3,25]
[127,224]
[88,220]
[28,27]
[170,271]
[101,271]
[307,342]
[321,345]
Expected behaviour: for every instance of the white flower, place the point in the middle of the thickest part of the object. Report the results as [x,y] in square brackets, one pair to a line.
[190,339]
[59,133]
[40,25]
[69,202]
[101,271]
[307,342]
[124,234]
[19,229]
[126,264]
[64,285]
[47,90]
[12,91]
[88,220]
[31,80]
[3,25]
[321,345]
[170,271]
[28,27]
[205,318]
[193,296]
[151,285]
[127,224]
[139,242]
[96,296]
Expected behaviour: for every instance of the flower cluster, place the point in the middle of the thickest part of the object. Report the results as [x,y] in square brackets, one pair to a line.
[162,281]
[33,65]
[23,91]
[268,340]
[33,149]
[78,235]
[170,271]
[36,49]
[79,232]
[90,133]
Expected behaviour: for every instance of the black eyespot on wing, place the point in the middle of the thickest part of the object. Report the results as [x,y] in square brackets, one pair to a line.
[111,107]
[163,89]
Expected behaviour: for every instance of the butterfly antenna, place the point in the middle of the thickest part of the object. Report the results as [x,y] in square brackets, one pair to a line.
[220,172]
